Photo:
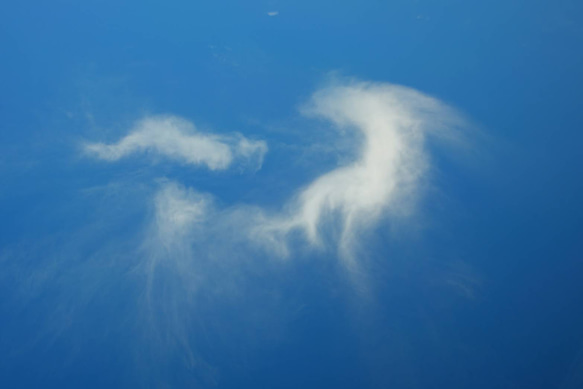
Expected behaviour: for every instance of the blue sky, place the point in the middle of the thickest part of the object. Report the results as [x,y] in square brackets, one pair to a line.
[302,194]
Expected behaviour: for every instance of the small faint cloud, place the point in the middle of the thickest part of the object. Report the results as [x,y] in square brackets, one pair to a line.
[464,281]
[273,13]
[178,139]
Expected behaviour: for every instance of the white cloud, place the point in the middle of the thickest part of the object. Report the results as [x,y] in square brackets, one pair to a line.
[178,139]
[393,123]
[273,13]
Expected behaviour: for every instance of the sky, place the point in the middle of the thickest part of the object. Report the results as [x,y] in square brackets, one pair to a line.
[269,194]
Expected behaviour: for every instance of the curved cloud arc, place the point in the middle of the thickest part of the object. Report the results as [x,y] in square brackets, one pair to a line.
[393,122]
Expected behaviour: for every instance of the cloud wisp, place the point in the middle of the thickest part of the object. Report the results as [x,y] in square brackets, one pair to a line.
[178,139]
[393,124]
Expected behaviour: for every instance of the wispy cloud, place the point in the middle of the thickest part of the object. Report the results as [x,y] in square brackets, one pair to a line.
[392,123]
[273,13]
[195,266]
[179,140]
[177,212]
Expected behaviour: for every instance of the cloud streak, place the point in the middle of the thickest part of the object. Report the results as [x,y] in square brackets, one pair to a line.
[178,139]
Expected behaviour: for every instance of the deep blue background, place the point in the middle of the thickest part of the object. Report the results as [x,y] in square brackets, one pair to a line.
[487,295]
